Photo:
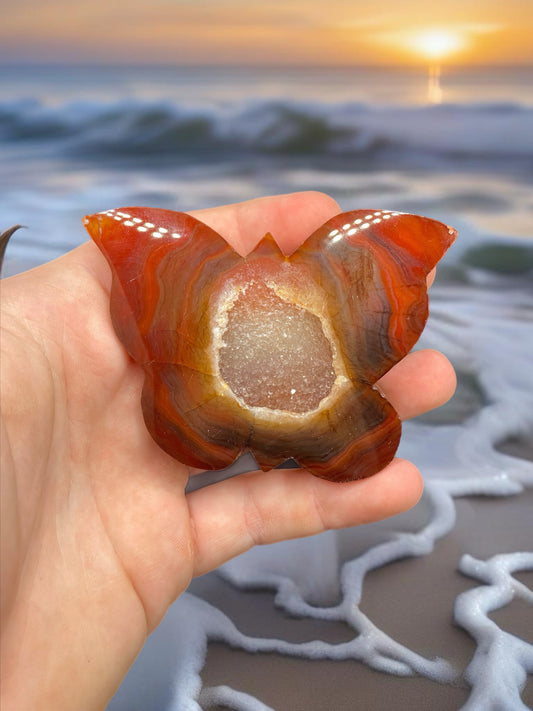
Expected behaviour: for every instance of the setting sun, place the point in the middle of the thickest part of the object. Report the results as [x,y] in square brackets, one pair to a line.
[432,44]
[437,44]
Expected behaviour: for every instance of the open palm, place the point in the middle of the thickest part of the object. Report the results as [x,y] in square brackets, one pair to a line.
[98,536]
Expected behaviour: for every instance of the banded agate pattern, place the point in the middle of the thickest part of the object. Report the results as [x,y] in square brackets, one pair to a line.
[273,353]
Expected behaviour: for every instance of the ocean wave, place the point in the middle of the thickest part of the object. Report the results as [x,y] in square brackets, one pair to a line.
[140,129]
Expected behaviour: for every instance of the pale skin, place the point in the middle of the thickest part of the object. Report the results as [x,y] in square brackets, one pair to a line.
[98,536]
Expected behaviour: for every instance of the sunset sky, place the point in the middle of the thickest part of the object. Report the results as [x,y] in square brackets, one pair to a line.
[273,32]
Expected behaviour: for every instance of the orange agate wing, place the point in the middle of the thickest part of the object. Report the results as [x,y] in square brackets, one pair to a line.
[272,353]
[375,264]
[163,266]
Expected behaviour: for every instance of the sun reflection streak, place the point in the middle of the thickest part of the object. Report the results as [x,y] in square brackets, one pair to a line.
[434,92]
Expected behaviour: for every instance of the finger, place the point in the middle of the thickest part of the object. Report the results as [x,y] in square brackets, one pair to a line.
[420,382]
[289,218]
[230,517]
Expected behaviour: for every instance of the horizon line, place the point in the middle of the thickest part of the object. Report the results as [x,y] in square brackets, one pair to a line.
[65,63]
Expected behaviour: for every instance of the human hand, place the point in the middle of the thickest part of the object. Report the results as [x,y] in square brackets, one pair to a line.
[98,536]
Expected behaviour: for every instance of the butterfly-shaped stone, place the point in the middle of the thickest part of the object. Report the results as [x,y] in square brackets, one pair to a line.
[273,353]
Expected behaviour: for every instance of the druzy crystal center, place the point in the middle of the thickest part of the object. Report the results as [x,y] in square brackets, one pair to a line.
[274,353]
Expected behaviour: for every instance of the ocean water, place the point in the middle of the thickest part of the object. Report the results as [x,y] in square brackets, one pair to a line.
[80,140]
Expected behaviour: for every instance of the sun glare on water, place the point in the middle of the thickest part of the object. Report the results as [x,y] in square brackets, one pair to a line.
[435,46]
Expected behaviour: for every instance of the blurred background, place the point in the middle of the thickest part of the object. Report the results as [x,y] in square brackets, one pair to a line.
[184,104]
[411,106]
